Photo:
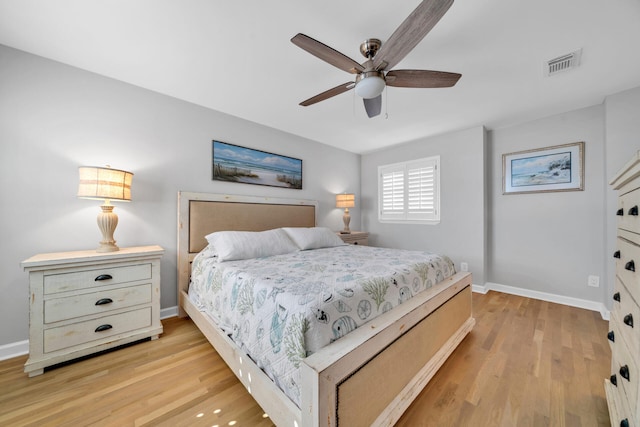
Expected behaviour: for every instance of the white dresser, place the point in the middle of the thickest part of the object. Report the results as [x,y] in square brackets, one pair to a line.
[623,387]
[84,302]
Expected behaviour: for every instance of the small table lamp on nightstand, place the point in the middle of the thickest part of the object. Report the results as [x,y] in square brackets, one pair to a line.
[345,201]
[106,184]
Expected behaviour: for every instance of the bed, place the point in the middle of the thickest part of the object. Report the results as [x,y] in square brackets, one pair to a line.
[340,384]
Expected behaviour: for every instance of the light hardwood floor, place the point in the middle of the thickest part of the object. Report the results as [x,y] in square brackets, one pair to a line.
[526,363]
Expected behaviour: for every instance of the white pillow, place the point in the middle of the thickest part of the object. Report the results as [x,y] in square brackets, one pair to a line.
[313,238]
[236,245]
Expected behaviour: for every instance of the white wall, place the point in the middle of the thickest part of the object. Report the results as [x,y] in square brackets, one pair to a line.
[461,232]
[549,242]
[54,118]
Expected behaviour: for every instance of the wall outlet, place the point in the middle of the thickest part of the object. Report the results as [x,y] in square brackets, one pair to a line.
[593,281]
[464,266]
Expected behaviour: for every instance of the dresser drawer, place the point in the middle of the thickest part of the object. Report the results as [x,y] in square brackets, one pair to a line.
[85,279]
[629,257]
[58,309]
[623,366]
[96,329]
[628,206]
[627,316]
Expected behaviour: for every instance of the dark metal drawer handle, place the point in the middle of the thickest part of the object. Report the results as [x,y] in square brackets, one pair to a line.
[614,380]
[103,277]
[624,423]
[624,372]
[611,336]
[616,296]
[620,212]
[104,301]
[628,320]
[634,211]
[103,328]
[631,266]
[616,254]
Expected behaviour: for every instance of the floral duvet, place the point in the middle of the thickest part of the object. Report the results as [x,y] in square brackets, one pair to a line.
[282,308]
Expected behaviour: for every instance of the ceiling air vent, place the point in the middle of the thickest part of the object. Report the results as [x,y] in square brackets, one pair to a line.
[563,63]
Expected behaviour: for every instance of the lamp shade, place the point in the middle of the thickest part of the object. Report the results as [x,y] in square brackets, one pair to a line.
[104,183]
[345,200]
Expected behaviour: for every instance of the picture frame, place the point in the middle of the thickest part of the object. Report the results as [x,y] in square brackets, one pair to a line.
[543,170]
[234,163]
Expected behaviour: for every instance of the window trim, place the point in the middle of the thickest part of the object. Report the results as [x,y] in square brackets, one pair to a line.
[404,217]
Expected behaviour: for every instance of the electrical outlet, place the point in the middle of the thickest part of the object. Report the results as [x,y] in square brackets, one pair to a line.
[464,266]
[593,281]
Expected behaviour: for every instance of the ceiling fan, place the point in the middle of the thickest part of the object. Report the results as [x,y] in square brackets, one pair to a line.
[375,73]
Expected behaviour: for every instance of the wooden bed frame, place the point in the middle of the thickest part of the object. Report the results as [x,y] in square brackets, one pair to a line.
[368,377]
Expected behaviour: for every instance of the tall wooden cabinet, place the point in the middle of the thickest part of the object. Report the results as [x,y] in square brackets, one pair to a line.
[623,387]
[84,302]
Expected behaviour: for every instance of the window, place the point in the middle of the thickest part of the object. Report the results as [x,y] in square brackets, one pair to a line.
[409,192]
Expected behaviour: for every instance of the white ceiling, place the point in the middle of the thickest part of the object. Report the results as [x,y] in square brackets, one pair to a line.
[236,57]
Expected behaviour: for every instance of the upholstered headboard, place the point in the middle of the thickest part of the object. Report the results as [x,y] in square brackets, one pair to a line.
[202,213]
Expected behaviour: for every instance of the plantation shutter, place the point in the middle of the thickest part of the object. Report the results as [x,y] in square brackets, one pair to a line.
[421,192]
[409,191]
[392,192]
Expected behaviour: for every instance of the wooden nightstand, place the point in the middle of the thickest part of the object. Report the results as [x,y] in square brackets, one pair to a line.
[84,302]
[355,238]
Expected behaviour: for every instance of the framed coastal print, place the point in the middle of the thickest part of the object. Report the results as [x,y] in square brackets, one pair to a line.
[233,163]
[557,168]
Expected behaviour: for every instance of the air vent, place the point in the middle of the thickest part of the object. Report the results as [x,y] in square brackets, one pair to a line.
[563,63]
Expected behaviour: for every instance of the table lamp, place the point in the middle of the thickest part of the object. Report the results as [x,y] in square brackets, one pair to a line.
[106,184]
[345,201]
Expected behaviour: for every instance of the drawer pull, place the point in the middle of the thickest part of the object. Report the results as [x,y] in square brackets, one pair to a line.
[103,277]
[107,327]
[611,336]
[616,296]
[628,320]
[631,266]
[624,372]
[624,423]
[634,211]
[104,301]
[620,212]
[614,380]
[616,254]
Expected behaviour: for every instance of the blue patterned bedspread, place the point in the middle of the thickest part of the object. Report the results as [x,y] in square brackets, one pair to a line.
[282,308]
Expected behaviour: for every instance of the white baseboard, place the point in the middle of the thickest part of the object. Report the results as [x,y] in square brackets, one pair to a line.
[14,349]
[544,296]
[20,348]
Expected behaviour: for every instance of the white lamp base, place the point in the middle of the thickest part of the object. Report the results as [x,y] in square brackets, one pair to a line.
[107,222]
[346,218]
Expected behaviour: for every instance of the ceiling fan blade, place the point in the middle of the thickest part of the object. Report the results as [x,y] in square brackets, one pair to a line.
[373,105]
[327,53]
[410,33]
[421,78]
[328,94]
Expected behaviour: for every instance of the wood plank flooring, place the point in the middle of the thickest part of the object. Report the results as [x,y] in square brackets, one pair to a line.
[526,363]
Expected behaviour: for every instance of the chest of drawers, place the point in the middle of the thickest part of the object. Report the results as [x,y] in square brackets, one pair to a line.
[84,302]
[623,387]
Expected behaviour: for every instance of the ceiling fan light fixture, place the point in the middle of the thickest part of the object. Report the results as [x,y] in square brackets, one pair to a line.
[369,84]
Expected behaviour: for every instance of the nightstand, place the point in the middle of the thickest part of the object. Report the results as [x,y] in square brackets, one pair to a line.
[355,238]
[84,302]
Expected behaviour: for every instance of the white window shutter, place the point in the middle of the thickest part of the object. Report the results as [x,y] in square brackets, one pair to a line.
[410,191]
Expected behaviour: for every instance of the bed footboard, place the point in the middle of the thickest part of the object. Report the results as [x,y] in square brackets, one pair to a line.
[374,373]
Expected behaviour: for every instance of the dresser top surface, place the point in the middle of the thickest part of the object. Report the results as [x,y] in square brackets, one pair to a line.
[58,258]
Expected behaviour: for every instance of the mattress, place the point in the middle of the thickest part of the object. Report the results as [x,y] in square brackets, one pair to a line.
[280,309]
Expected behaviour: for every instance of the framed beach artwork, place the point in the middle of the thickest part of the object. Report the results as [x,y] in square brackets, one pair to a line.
[557,168]
[233,163]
